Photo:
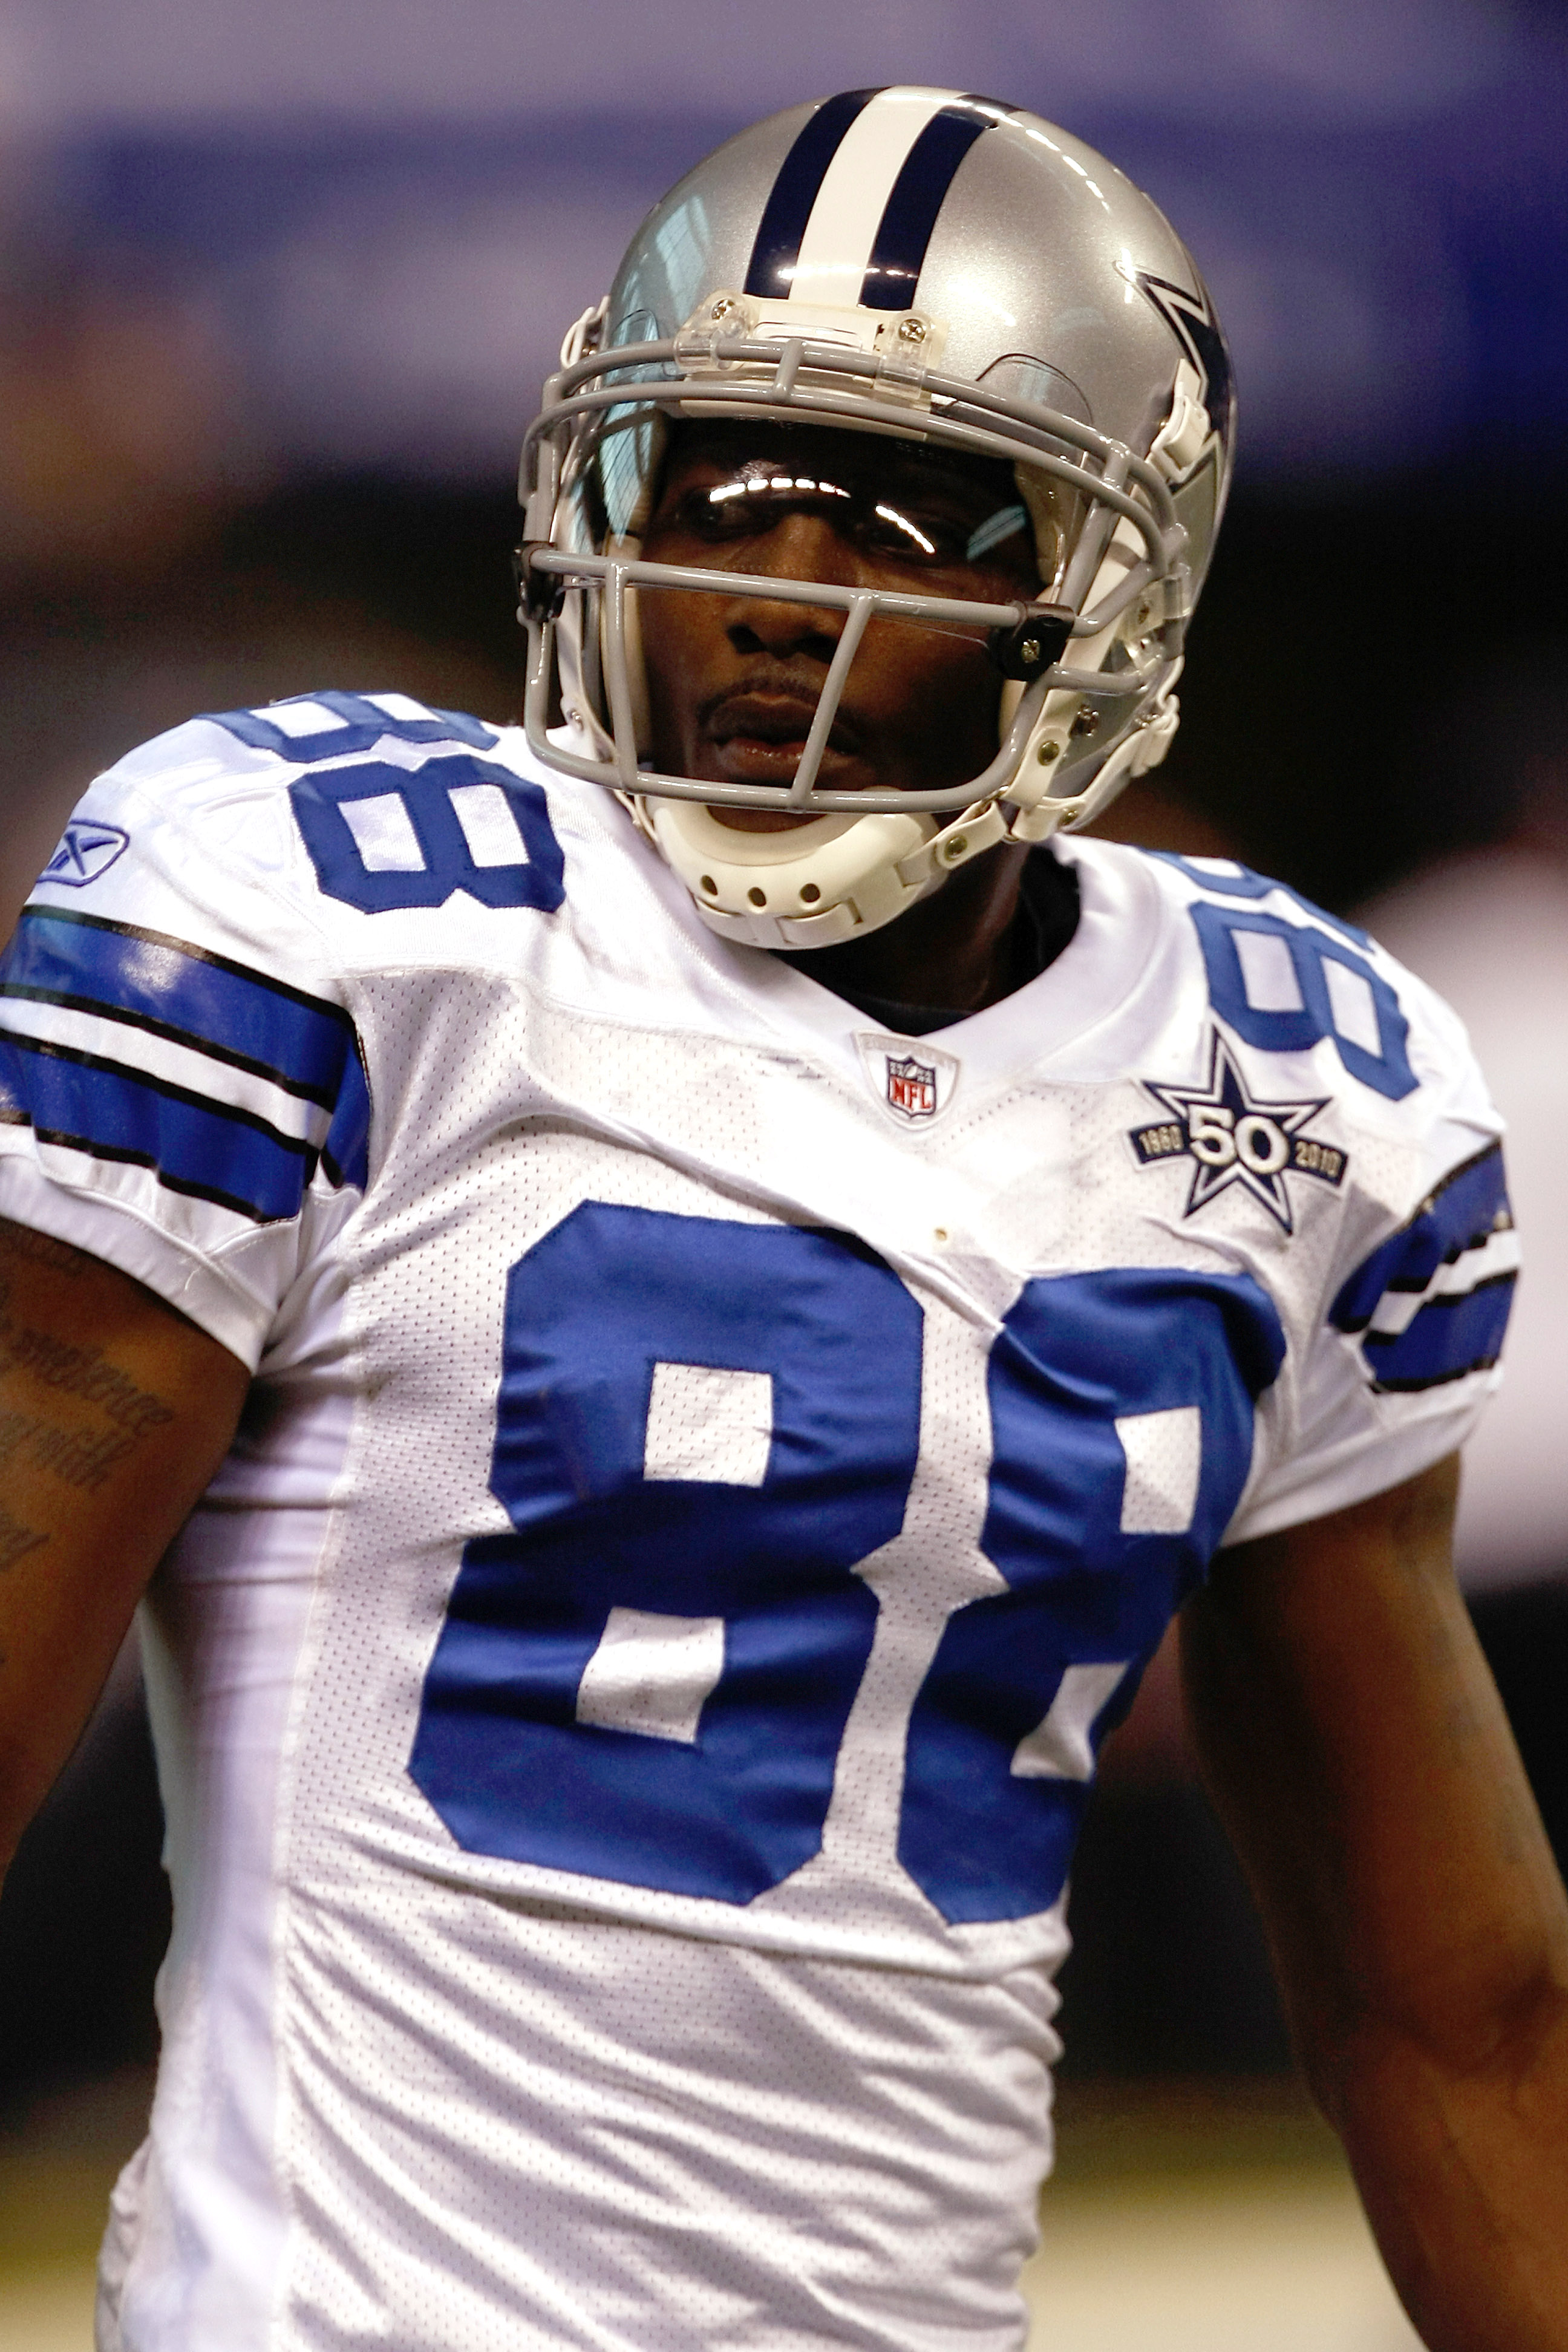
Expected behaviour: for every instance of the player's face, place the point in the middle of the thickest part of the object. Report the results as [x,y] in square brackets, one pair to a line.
[733,681]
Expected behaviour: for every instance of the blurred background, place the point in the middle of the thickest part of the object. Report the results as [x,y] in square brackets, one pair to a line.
[276,291]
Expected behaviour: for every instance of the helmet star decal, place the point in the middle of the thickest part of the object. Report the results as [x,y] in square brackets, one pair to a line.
[1193,322]
[1236,1139]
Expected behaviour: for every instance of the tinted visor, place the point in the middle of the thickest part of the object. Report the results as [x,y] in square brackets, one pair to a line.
[952,521]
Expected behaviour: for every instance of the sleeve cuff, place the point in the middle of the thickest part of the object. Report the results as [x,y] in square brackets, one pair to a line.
[211,1298]
[1367,1464]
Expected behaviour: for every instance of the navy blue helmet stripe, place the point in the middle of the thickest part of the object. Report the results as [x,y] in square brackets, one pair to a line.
[795,191]
[911,212]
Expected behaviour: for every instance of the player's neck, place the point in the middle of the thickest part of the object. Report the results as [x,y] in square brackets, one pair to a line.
[953,949]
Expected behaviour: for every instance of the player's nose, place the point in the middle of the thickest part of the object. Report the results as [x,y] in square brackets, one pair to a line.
[802,546]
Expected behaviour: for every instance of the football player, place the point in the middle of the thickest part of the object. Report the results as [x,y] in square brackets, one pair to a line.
[664,1304]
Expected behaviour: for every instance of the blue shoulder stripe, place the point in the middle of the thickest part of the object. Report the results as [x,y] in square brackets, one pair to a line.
[224,1011]
[1469,1204]
[1451,1336]
[1453,1331]
[330,725]
[210,1150]
[345,1155]
[181,993]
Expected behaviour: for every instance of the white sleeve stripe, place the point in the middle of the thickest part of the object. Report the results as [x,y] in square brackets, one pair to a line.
[124,1017]
[1498,1257]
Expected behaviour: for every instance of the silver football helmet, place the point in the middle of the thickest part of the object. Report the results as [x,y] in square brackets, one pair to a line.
[932,266]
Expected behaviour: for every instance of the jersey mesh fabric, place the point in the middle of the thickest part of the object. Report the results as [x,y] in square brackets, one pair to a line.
[395,1979]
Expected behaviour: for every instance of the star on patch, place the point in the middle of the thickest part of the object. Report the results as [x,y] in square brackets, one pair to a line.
[1236,1139]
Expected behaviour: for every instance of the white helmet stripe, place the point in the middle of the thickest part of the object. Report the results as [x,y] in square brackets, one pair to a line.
[841,233]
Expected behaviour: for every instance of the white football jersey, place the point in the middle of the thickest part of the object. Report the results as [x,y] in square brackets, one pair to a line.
[714,1473]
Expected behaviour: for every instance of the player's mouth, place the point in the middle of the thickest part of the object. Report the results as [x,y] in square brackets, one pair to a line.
[757,736]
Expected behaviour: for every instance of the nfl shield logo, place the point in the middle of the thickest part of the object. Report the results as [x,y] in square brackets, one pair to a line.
[911,1087]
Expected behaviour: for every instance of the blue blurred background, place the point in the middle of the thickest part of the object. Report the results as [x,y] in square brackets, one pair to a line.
[376,221]
[279,288]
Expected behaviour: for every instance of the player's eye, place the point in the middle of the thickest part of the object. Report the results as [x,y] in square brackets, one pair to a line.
[756,500]
[718,512]
[892,528]
[932,530]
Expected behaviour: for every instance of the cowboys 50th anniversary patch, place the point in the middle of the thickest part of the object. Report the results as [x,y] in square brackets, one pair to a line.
[1235,1138]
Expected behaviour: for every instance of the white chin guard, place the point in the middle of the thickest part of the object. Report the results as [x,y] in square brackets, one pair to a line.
[823,880]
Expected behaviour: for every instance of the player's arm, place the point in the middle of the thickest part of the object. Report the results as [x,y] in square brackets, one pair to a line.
[1353,1741]
[114,1414]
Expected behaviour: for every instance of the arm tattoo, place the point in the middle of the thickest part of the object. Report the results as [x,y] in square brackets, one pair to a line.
[81,1457]
[81,1371]
[78,1457]
[16,1540]
[21,1241]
